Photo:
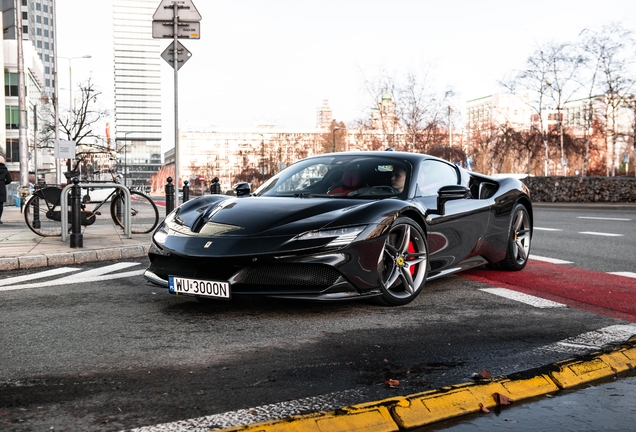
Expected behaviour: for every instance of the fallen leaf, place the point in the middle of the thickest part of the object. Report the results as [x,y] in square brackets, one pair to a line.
[119,409]
[501,399]
[482,408]
[483,375]
[392,383]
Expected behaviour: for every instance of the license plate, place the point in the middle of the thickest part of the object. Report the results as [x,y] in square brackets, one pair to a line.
[200,287]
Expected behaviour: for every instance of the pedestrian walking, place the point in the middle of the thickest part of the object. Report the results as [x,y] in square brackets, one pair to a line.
[5,179]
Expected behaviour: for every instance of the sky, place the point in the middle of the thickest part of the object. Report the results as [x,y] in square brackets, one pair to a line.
[276,60]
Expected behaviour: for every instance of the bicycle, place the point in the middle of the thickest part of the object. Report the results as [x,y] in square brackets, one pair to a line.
[43,213]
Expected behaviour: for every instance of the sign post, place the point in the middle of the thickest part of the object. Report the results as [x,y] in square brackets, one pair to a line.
[185,19]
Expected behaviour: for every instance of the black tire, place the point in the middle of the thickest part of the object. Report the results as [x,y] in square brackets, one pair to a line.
[41,217]
[519,238]
[144,215]
[403,266]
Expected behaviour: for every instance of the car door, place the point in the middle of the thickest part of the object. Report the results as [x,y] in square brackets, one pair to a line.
[456,235]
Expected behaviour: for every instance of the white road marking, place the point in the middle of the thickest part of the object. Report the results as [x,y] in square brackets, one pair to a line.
[549,260]
[594,340]
[590,341]
[39,275]
[601,234]
[523,298]
[328,402]
[602,218]
[626,274]
[95,275]
[547,229]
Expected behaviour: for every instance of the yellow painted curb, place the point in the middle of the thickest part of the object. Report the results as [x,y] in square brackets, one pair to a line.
[431,406]
[572,372]
[372,419]
[449,402]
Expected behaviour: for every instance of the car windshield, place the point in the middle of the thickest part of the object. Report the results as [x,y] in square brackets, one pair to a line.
[341,176]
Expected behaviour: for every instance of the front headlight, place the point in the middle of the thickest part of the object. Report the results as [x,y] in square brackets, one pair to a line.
[161,235]
[341,236]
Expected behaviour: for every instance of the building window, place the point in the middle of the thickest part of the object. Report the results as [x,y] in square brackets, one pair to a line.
[25,29]
[25,16]
[12,150]
[12,117]
[10,84]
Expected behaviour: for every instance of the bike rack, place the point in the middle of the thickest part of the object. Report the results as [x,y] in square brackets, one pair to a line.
[64,204]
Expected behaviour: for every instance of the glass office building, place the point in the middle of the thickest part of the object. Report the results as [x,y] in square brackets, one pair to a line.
[137,90]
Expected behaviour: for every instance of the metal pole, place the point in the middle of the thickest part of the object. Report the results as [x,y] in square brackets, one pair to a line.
[56,102]
[22,134]
[176,98]
[334,137]
[35,142]
[70,90]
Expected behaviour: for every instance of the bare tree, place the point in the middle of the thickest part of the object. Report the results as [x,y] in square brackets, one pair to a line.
[534,81]
[562,83]
[609,54]
[335,139]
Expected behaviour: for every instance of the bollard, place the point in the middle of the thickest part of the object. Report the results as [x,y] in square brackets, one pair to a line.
[215,187]
[169,196]
[77,238]
[36,212]
[186,191]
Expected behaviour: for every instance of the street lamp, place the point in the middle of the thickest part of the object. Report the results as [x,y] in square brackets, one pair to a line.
[262,158]
[334,137]
[70,77]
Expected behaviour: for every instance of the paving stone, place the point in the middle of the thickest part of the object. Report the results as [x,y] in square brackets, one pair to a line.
[32,261]
[109,254]
[61,259]
[9,264]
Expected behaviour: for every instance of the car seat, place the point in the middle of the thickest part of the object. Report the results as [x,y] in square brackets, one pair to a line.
[351,180]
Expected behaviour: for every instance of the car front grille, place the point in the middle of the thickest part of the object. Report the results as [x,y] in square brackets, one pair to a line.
[290,275]
[264,277]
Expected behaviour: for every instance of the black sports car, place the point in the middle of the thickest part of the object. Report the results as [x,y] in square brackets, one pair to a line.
[344,226]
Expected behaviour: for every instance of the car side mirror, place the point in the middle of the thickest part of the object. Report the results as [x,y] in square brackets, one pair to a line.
[242,189]
[450,193]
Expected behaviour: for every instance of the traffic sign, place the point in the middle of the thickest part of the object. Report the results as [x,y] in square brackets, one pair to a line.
[201,178]
[185,30]
[183,55]
[186,10]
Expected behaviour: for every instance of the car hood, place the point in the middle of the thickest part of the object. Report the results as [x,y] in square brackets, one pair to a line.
[271,216]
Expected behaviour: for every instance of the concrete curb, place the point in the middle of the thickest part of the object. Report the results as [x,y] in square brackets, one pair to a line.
[78,257]
[401,413]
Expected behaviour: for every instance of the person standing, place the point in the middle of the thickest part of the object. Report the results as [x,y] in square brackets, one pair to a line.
[5,179]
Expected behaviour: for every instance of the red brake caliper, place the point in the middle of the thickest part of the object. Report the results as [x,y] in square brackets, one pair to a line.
[411,250]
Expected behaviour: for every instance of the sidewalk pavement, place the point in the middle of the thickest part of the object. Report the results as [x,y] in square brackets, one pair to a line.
[21,248]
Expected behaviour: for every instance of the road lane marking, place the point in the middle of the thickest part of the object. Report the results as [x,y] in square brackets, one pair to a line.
[600,234]
[603,218]
[626,274]
[549,260]
[547,229]
[94,275]
[523,298]
[39,275]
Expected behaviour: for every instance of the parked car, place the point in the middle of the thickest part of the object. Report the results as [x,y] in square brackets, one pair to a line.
[355,233]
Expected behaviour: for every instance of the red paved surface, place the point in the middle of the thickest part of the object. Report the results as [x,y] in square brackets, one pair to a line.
[597,292]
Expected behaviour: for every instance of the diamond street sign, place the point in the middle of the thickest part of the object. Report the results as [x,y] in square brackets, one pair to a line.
[183,55]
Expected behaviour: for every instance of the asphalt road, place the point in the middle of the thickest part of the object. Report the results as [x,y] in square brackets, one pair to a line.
[98,349]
